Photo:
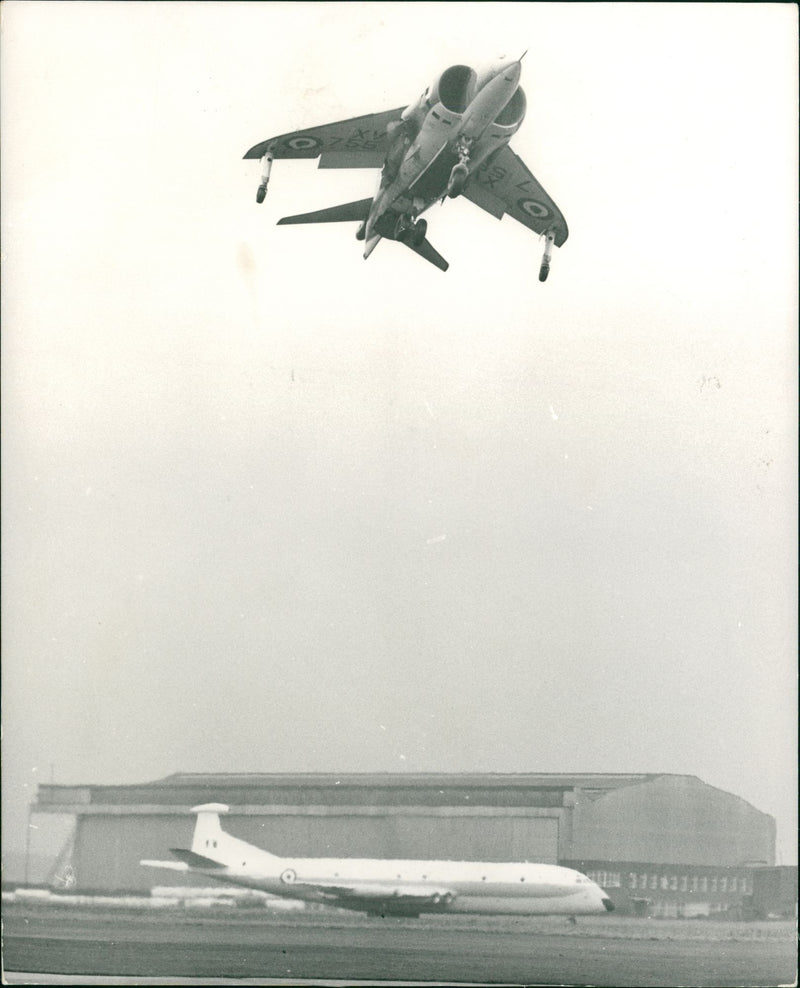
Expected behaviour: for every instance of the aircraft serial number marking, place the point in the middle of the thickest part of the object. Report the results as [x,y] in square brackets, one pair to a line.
[493,175]
[360,140]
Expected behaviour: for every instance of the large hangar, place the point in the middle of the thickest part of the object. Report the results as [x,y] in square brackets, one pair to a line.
[602,819]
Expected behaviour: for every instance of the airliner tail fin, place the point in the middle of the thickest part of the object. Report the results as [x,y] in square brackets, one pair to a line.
[207,830]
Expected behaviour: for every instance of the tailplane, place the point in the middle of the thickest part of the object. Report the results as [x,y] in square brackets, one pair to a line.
[334,214]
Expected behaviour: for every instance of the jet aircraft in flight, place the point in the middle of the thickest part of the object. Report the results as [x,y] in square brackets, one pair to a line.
[454,141]
[387,888]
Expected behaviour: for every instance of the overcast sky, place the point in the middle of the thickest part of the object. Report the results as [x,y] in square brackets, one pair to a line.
[269,507]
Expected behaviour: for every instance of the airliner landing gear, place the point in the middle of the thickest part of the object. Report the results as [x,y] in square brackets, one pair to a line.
[460,173]
[544,268]
[266,168]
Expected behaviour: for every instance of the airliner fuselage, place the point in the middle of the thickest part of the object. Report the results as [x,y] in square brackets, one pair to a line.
[388,887]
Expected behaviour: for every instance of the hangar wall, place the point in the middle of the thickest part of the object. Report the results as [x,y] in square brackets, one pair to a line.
[672,819]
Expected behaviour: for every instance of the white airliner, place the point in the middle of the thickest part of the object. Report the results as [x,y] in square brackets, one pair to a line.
[387,888]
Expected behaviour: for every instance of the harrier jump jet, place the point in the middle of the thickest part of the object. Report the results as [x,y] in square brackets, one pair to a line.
[452,142]
[387,888]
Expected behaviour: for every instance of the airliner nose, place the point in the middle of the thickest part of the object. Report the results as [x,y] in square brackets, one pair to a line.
[609,905]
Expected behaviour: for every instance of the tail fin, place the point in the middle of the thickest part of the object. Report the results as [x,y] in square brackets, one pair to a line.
[207,830]
[334,214]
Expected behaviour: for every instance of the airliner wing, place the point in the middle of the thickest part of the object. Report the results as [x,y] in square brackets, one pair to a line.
[379,892]
[503,185]
[357,143]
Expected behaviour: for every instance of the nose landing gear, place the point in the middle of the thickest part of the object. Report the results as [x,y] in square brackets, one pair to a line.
[457,180]
[460,173]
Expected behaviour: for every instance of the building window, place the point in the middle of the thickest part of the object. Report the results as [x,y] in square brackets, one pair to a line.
[733,883]
[684,883]
[664,883]
[654,882]
[744,885]
[723,883]
[632,880]
[695,883]
[673,883]
[704,883]
[642,881]
[713,883]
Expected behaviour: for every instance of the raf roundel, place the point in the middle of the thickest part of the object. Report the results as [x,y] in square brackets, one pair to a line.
[288,875]
[533,208]
[303,143]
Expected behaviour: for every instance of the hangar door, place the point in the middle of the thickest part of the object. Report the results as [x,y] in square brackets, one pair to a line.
[398,835]
[468,838]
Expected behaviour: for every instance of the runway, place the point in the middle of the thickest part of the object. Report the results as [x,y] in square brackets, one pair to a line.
[257,948]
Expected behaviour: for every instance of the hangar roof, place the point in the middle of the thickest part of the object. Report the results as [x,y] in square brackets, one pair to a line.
[429,788]
[538,780]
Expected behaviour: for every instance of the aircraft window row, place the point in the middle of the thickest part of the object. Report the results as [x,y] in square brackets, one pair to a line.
[211,843]
[606,879]
[686,883]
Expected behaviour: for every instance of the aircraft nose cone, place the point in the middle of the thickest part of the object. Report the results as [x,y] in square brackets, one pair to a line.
[609,905]
[511,73]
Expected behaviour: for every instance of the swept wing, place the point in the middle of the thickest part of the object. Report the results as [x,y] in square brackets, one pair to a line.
[381,893]
[360,142]
[503,184]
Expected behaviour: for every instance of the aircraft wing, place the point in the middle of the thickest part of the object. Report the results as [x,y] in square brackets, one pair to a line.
[361,142]
[381,892]
[503,185]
